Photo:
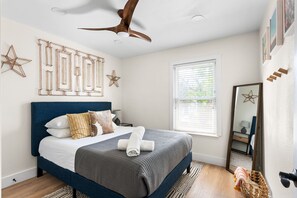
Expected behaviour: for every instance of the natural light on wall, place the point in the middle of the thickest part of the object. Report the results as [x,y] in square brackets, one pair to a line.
[194,97]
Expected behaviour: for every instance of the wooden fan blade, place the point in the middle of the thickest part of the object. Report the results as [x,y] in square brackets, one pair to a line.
[120,13]
[140,35]
[113,29]
[135,21]
[128,11]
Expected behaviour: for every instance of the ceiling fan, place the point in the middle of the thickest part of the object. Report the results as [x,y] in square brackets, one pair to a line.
[123,29]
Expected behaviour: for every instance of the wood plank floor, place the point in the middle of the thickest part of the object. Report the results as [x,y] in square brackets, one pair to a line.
[212,182]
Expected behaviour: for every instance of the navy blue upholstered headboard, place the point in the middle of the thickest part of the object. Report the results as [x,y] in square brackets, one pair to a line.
[42,112]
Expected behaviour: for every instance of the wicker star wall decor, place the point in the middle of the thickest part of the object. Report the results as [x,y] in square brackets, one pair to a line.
[249,97]
[113,79]
[10,61]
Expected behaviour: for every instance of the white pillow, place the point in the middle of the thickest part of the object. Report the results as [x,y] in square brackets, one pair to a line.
[60,122]
[99,129]
[114,126]
[59,133]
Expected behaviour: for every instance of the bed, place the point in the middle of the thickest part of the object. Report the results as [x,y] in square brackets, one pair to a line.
[42,112]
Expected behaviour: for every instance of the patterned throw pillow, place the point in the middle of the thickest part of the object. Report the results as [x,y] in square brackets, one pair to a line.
[104,119]
[79,125]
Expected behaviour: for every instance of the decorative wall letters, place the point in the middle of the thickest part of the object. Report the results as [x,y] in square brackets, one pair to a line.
[64,71]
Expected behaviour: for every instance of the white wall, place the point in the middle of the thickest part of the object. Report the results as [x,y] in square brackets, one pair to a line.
[0,109]
[295,97]
[278,113]
[146,90]
[18,93]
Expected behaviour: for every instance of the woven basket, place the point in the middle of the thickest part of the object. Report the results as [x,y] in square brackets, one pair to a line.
[257,188]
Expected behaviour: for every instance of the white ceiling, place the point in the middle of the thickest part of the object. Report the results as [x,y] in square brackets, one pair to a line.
[167,22]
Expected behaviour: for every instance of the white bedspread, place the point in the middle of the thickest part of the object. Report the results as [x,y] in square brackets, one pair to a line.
[62,151]
[252,143]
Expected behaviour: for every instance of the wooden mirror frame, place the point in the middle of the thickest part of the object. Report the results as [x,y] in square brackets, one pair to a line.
[258,156]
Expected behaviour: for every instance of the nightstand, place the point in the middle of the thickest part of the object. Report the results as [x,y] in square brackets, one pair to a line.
[126,124]
[242,138]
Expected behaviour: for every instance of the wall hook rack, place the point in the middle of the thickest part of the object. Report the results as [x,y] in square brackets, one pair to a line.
[273,77]
[282,70]
[277,74]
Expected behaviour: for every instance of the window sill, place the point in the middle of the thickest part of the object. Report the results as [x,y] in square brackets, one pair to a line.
[199,134]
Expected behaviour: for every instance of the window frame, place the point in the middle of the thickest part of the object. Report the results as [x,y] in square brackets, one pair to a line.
[217,59]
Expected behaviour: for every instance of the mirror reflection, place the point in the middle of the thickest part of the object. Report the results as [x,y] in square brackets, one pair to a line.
[243,131]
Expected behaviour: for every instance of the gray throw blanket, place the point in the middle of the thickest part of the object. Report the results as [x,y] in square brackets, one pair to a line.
[133,176]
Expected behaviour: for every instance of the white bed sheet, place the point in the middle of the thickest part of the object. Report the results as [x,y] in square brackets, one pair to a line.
[62,151]
[252,143]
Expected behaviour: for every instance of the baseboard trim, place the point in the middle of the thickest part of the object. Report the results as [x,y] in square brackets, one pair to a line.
[19,177]
[209,159]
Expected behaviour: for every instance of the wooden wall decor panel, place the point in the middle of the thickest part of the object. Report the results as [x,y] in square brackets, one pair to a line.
[88,74]
[99,75]
[64,71]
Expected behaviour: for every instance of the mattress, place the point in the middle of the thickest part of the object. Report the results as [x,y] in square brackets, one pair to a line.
[61,151]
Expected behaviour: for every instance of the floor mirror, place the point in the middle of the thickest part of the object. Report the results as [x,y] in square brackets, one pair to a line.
[245,148]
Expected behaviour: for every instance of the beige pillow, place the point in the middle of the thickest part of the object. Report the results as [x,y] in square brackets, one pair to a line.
[104,119]
[96,128]
[114,126]
[79,125]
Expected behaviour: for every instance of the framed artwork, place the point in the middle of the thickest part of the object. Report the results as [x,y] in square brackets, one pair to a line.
[265,46]
[273,31]
[289,14]
[276,26]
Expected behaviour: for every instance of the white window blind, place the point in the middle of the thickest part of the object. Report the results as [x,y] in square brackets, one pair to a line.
[194,99]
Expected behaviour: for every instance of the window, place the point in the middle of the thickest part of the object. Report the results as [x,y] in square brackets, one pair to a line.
[194,97]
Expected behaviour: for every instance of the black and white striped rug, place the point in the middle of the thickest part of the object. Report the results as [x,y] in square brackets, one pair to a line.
[179,190]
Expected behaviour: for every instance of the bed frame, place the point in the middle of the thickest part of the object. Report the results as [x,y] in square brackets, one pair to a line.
[42,112]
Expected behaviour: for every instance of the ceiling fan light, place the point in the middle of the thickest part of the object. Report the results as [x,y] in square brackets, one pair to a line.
[117,41]
[198,18]
[123,34]
[58,11]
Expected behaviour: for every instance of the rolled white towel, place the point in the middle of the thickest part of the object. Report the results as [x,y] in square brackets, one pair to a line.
[145,145]
[133,147]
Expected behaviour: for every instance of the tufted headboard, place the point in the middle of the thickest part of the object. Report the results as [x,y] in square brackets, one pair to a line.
[42,112]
